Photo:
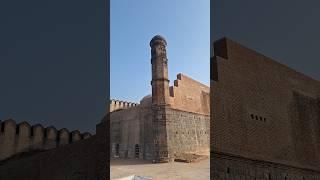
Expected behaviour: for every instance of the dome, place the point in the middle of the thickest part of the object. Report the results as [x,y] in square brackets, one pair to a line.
[146,97]
[158,39]
[145,101]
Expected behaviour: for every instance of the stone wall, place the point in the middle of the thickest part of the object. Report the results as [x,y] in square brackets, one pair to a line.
[18,138]
[127,129]
[229,167]
[184,132]
[263,110]
[187,132]
[82,160]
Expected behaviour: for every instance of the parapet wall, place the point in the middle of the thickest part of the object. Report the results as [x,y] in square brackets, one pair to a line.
[17,138]
[262,109]
[190,95]
[85,159]
[117,105]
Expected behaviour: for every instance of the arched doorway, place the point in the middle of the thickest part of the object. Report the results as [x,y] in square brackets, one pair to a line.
[117,149]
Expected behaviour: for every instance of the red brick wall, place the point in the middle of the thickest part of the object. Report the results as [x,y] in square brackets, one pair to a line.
[190,95]
[250,84]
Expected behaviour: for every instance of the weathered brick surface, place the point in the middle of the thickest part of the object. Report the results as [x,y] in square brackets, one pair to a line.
[190,95]
[263,110]
[228,167]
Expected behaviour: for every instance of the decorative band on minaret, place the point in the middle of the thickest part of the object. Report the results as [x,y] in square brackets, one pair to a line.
[159,61]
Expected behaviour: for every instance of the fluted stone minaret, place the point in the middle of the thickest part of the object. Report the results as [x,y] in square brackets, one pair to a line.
[160,98]
[159,61]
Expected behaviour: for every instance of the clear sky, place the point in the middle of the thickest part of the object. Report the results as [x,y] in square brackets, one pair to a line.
[185,24]
[52,62]
[286,30]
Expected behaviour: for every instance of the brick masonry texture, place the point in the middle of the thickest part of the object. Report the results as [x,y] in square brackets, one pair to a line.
[234,167]
[190,95]
[264,111]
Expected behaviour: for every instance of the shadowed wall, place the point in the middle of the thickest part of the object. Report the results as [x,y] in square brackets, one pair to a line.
[18,138]
[86,159]
[263,110]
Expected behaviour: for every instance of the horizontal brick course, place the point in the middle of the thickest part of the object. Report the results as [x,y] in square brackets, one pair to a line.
[262,109]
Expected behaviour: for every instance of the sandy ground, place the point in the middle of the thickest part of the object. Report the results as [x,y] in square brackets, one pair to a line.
[168,171]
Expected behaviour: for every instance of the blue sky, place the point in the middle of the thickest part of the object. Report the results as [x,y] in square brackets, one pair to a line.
[290,37]
[184,23]
[52,63]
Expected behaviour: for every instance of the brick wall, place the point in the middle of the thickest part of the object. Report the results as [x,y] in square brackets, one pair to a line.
[190,95]
[230,167]
[263,110]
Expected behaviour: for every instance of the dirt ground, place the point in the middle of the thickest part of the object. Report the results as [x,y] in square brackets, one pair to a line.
[168,171]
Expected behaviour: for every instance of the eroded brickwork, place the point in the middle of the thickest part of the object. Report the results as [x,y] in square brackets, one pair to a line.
[226,167]
[263,110]
[190,95]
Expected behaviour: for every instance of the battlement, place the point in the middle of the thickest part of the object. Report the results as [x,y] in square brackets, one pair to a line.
[181,78]
[189,95]
[118,105]
[17,138]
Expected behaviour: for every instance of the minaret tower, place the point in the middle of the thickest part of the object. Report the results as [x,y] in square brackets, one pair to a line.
[160,98]
[159,61]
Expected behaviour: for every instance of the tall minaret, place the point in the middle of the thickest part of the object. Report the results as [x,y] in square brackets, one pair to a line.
[159,61]
[160,98]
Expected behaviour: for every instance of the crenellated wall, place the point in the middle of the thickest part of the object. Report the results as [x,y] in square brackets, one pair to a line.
[17,138]
[117,105]
[190,95]
[85,159]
